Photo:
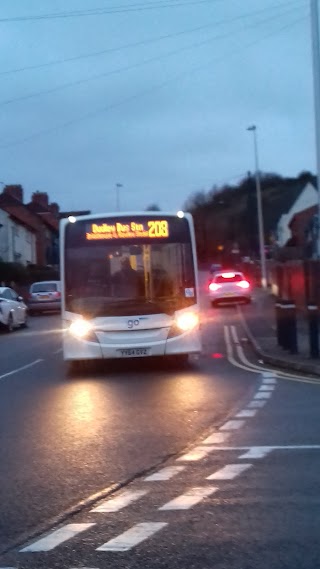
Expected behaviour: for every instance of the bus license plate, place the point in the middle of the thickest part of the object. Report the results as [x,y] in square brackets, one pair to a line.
[133,352]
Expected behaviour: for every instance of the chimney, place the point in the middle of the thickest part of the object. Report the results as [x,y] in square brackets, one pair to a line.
[15,191]
[54,208]
[41,198]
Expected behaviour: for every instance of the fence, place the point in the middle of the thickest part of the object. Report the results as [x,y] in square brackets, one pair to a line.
[297,281]
[296,286]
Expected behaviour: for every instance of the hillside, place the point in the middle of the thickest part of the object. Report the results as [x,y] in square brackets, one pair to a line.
[228,215]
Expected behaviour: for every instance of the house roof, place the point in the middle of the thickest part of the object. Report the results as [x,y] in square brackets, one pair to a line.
[279,199]
[46,216]
[64,214]
[18,211]
[303,215]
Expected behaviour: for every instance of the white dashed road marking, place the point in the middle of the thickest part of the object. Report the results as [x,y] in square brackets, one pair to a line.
[266,388]
[216,438]
[229,472]
[256,452]
[196,454]
[132,537]
[275,447]
[56,538]
[189,499]
[232,425]
[120,502]
[263,395]
[246,413]
[268,374]
[256,404]
[269,381]
[164,474]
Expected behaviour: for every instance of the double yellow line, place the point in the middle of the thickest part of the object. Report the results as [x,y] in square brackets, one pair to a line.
[237,358]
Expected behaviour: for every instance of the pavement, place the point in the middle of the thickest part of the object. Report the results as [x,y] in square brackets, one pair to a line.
[259,322]
[138,464]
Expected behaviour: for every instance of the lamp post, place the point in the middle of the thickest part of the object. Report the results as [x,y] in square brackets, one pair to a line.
[118,186]
[314,12]
[253,129]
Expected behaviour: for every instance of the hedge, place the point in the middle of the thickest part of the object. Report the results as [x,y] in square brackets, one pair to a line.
[21,275]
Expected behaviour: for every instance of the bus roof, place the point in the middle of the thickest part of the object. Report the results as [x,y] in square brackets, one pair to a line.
[146,214]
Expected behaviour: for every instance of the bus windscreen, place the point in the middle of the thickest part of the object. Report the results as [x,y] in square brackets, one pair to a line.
[128,266]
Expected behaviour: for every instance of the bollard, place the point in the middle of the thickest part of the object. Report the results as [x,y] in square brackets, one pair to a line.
[279,323]
[289,331]
[313,319]
[285,335]
[292,328]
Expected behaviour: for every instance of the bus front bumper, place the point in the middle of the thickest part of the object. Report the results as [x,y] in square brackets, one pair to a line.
[84,349]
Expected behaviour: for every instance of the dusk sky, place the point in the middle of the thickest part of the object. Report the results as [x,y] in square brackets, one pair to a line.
[153,94]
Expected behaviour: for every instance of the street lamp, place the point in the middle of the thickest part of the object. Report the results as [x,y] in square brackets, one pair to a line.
[118,186]
[253,129]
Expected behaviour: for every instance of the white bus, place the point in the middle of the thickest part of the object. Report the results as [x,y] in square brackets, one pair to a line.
[129,286]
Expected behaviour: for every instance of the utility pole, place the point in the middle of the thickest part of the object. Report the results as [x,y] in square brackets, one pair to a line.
[314,12]
[253,129]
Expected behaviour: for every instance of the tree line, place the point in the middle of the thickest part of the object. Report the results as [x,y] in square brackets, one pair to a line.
[226,217]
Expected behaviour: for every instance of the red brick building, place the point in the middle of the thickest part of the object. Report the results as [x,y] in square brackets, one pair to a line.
[299,226]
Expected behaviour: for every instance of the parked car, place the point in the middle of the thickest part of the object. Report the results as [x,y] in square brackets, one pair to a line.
[44,296]
[229,287]
[13,310]
[215,267]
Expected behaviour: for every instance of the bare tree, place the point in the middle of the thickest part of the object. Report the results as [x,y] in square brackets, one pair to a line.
[153,207]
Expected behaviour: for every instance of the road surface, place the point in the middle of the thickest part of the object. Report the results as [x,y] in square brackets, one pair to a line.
[141,464]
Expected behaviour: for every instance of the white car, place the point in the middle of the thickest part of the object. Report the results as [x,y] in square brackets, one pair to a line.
[13,311]
[228,286]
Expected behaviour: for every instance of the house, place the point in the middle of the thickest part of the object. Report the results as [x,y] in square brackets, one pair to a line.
[304,231]
[304,201]
[76,213]
[47,244]
[300,224]
[18,228]
[29,233]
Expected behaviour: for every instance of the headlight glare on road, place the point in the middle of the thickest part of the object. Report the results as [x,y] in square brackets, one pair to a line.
[187,321]
[80,328]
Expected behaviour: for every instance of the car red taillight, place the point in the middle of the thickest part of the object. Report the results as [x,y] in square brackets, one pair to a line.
[243,284]
[214,286]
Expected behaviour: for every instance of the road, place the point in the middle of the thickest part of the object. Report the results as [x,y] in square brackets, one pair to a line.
[143,464]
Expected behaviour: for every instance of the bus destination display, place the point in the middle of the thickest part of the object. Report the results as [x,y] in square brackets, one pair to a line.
[154,229]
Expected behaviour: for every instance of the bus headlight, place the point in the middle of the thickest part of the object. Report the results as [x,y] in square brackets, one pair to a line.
[187,321]
[80,328]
